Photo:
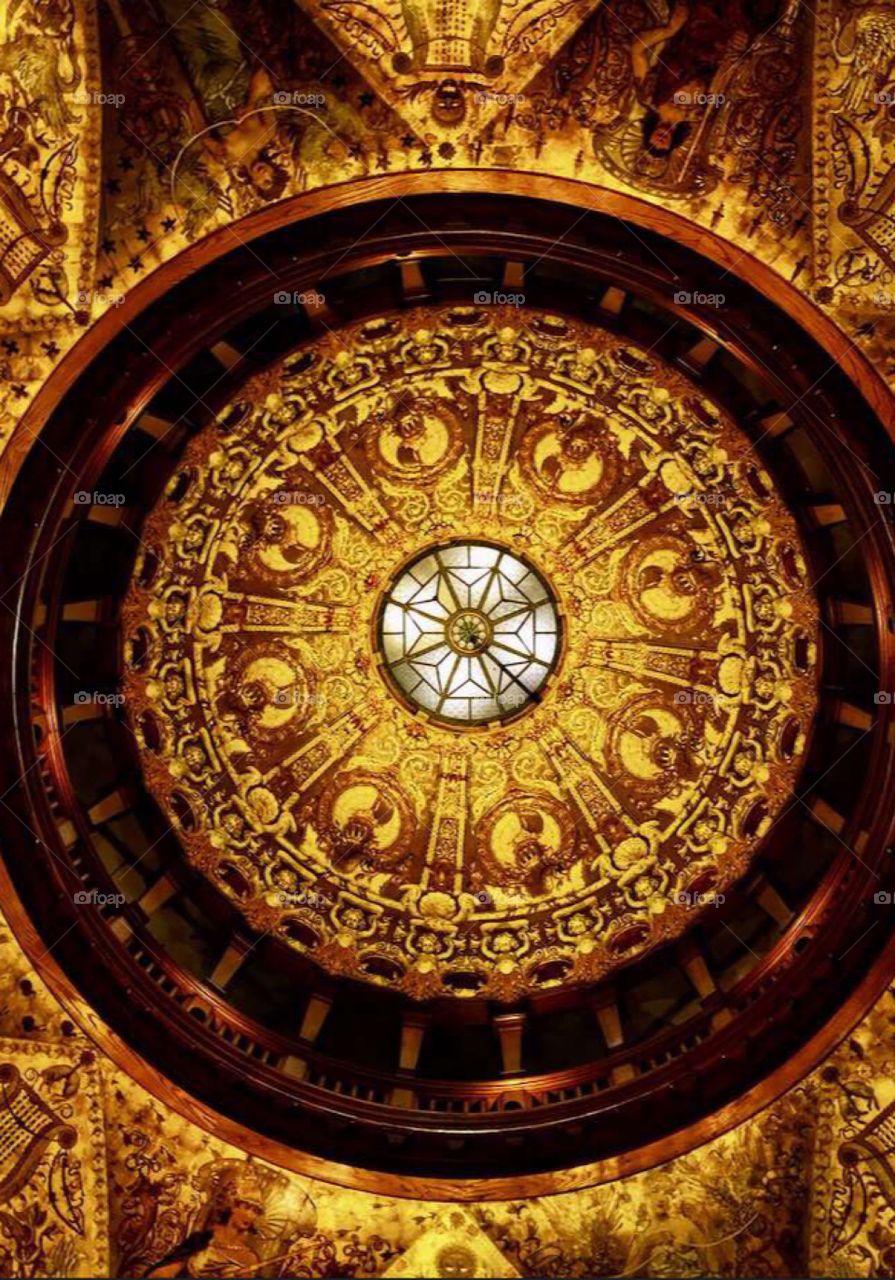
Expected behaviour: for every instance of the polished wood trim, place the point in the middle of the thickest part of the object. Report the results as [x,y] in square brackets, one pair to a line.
[565,191]
[445,1188]
[440,1189]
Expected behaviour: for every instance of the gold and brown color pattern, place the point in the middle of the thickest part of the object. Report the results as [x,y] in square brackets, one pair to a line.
[392,841]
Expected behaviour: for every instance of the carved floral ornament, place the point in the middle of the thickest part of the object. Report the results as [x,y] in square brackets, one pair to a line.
[365,786]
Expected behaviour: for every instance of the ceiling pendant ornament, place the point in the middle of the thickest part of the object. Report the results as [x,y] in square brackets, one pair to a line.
[470,650]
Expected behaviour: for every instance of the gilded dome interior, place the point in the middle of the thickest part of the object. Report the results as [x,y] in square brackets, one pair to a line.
[447,644]
[405,841]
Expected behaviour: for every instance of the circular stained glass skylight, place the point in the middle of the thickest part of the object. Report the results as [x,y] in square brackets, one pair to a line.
[469,633]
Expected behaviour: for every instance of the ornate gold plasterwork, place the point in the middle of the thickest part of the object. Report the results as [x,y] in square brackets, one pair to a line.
[437,64]
[54,1217]
[506,857]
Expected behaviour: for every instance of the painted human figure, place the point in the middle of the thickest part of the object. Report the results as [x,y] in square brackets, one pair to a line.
[228,1245]
[691,55]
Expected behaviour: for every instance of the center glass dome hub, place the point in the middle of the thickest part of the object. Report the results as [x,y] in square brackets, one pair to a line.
[468,633]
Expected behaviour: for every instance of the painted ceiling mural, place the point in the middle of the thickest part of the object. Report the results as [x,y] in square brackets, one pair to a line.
[50,161]
[130,131]
[593,816]
[203,112]
[805,1188]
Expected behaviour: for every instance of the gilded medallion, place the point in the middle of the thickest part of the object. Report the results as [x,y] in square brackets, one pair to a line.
[471,652]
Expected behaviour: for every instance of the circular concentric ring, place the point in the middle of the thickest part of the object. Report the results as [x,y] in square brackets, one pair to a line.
[609,794]
[791,935]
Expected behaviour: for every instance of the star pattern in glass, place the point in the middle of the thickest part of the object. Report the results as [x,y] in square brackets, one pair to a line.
[469,633]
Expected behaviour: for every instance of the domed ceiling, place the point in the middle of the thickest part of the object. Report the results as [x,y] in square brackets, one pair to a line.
[471,651]
[448,639]
[459,713]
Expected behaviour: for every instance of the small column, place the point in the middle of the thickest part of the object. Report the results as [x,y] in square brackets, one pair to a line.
[513,275]
[694,966]
[230,962]
[155,897]
[413,1029]
[509,1027]
[607,1013]
[613,300]
[697,357]
[413,285]
[772,903]
[315,1015]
